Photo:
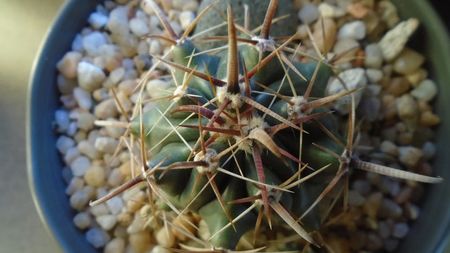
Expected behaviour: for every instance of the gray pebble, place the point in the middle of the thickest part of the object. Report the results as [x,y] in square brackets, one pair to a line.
[90,77]
[97,237]
[361,186]
[92,42]
[400,230]
[80,165]
[426,90]
[82,220]
[64,143]
[390,209]
[308,13]
[353,30]
[98,20]
[374,56]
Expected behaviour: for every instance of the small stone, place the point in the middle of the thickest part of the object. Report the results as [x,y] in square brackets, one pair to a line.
[412,211]
[114,78]
[353,79]
[417,77]
[137,225]
[389,147]
[410,156]
[160,249]
[426,91]
[361,186]
[390,209]
[107,222]
[374,56]
[372,205]
[98,20]
[308,13]
[97,237]
[116,245]
[186,18]
[85,121]
[86,148]
[346,48]
[115,178]
[374,75]
[203,230]
[106,109]
[76,184]
[357,10]
[407,107]
[64,143]
[398,86]
[106,144]
[354,30]
[115,205]
[65,85]
[140,242]
[69,63]
[394,41]
[99,210]
[408,61]
[82,220]
[83,98]
[330,11]
[139,27]
[429,150]
[384,229]
[165,238]
[95,176]
[90,77]
[400,230]
[92,42]
[79,200]
[118,20]
[329,28]
[154,47]
[429,119]
[374,242]
[80,165]
[157,88]
[355,198]
[388,13]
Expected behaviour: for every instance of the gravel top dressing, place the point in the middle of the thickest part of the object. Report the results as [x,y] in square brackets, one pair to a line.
[104,82]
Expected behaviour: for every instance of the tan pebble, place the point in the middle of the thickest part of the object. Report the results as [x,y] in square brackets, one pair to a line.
[160,249]
[115,178]
[182,222]
[127,87]
[428,119]
[416,77]
[95,176]
[372,204]
[137,225]
[410,156]
[165,238]
[408,61]
[124,219]
[69,63]
[85,121]
[389,106]
[106,109]
[141,242]
[359,59]
[407,107]
[398,86]
[80,136]
[388,13]
[330,30]
[86,148]
[116,245]
[136,202]
[357,10]
[424,106]
[120,231]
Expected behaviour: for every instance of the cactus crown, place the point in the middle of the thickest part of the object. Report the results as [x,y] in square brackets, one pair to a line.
[244,137]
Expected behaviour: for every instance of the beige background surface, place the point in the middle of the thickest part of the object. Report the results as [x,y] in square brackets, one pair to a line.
[23,24]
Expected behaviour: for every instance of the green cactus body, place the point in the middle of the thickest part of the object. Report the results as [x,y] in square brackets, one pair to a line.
[249,133]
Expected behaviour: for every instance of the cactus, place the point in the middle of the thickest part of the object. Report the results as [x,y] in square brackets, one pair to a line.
[238,139]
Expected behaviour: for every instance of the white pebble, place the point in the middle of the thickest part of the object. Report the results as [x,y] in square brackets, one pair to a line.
[374,75]
[82,220]
[410,156]
[353,30]
[99,210]
[394,41]
[330,11]
[79,200]
[389,147]
[115,205]
[83,98]
[85,121]
[115,178]
[118,20]
[98,20]
[76,184]
[426,90]
[97,237]
[160,249]
[106,144]
[308,13]
[116,245]
[154,47]
[114,78]
[353,79]
[92,42]
[71,154]
[86,148]
[80,165]
[90,77]
[186,18]
[107,222]
[64,143]
[139,27]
